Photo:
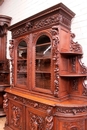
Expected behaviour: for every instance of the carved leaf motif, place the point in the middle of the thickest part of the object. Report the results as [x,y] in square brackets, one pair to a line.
[55,53]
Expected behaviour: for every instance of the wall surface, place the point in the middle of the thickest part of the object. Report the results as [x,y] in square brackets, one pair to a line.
[21,9]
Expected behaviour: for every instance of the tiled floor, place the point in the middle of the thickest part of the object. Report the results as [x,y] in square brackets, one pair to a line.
[2,122]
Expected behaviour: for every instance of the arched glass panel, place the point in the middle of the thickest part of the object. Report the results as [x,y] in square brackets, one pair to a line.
[43,62]
[22,63]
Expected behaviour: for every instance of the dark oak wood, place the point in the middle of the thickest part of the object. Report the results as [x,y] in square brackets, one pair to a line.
[48,90]
[4,63]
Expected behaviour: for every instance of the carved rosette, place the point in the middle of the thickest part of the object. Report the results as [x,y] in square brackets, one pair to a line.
[11,51]
[5,107]
[36,122]
[74,46]
[55,52]
[49,119]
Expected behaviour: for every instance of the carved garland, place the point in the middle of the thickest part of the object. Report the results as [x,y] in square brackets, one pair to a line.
[31,26]
[29,102]
[71,110]
[55,51]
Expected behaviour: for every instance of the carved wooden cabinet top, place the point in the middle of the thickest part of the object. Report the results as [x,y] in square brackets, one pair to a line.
[58,75]
[58,14]
[49,84]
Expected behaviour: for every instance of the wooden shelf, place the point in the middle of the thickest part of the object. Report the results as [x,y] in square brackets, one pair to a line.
[43,44]
[4,72]
[42,57]
[73,75]
[42,71]
[71,53]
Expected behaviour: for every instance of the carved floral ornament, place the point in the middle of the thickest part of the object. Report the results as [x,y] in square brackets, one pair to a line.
[71,110]
[55,38]
[33,25]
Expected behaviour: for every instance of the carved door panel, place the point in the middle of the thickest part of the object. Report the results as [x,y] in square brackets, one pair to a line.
[75,124]
[16,116]
[35,119]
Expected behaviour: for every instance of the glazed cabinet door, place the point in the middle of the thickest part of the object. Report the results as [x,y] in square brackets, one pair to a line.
[16,116]
[42,68]
[21,62]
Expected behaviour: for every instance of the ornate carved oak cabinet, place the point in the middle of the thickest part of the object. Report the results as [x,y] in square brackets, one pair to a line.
[4,62]
[48,90]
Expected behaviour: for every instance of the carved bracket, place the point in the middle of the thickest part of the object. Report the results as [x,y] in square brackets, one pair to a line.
[74,46]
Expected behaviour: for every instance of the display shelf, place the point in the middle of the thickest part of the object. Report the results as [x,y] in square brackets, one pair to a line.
[73,75]
[71,53]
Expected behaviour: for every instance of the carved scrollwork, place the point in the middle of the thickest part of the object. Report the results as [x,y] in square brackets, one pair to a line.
[74,46]
[55,51]
[5,107]
[49,119]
